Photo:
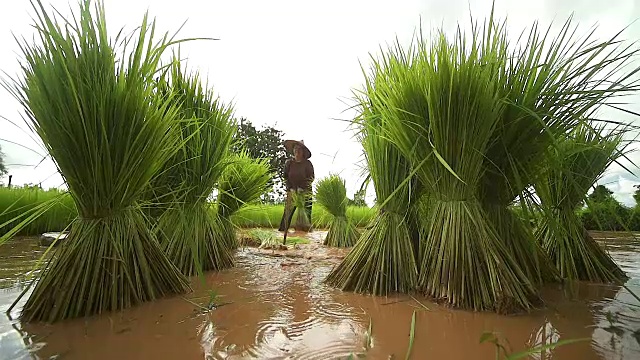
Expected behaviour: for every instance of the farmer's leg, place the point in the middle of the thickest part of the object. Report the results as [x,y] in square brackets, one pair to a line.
[284,217]
[282,224]
[307,207]
[293,210]
[287,202]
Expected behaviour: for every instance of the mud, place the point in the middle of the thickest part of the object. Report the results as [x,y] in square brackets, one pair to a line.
[273,305]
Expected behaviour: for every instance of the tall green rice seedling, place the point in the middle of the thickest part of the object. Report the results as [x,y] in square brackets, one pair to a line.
[547,84]
[439,105]
[188,229]
[383,259]
[331,193]
[242,183]
[573,166]
[301,221]
[109,132]
[457,108]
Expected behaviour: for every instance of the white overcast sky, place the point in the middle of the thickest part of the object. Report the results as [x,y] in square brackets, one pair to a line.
[293,64]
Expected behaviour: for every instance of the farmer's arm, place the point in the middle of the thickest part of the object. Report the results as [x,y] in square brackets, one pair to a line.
[310,173]
[287,166]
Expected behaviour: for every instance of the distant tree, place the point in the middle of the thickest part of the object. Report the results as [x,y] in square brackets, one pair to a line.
[636,195]
[358,198]
[601,194]
[32,186]
[3,168]
[265,143]
[604,212]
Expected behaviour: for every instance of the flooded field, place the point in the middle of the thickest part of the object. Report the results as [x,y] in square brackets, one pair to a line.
[273,305]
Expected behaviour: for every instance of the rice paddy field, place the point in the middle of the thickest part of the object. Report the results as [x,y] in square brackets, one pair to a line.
[480,151]
[17,202]
[274,305]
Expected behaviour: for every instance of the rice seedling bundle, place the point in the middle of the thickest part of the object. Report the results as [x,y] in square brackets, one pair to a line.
[439,105]
[109,133]
[548,86]
[299,199]
[243,182]
[573,166]
[188,230]
[331,193]
[463,112]
[383,259]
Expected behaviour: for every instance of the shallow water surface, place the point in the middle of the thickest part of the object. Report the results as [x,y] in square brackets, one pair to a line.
[273,305]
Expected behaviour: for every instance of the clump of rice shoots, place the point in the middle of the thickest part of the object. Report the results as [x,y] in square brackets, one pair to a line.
[301,221]
[518,235]
[188,229]
[574,165]
[383,259]
[546,88]
[331,193]
[456,109]
[439,105]
[243,182]
[109,133]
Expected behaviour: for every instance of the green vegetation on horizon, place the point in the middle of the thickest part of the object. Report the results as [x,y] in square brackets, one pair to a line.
[265,144]
[16,203]
[603,216]
[3,167]
[58,217]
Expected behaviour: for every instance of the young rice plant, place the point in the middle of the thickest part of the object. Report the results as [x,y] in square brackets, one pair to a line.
[188,229]
[573,167]
[474,116]
[331,193]
[242,183]
[383,259]
[109,133]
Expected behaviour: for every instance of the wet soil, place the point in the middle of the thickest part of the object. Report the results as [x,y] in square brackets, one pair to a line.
[273,305]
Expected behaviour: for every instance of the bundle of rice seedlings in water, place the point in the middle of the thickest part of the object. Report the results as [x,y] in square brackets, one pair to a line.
[331,193]
[383,259]
[188,229]
[267,239]
[243,182]
[439,106]
[108,132]
[457,108]
[301,221]
[546,91]
[574,165]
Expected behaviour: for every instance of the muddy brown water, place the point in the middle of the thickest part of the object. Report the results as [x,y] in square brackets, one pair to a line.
[273,305]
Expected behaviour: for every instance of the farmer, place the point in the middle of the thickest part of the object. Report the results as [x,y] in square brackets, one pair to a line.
[298,176]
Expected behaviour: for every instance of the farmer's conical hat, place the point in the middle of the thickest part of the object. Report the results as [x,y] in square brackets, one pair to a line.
[290,144]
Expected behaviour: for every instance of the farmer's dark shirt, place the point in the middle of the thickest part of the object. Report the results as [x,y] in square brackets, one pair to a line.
[298,174]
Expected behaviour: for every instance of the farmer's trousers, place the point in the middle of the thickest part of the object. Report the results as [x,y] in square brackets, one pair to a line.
[308,203]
